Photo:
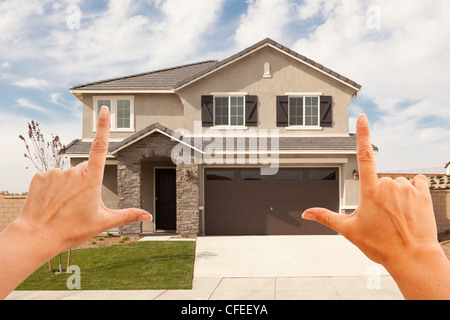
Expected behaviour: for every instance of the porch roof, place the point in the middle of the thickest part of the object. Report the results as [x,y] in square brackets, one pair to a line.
[344,144]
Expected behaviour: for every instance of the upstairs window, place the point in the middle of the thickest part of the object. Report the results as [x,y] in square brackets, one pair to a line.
[121,109]
[304,111]
[229,111]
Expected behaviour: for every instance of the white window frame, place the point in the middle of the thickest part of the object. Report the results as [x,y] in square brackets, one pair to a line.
[304,126]
[113,100]
[229,96]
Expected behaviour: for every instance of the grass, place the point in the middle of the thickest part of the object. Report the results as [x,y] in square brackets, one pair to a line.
[153,265]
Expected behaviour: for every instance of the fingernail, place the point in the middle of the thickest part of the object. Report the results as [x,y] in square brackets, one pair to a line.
[145,217]
[308,215]
[363,120]
[104,112]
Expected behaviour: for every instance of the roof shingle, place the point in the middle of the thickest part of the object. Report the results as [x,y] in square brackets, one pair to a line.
[165,79]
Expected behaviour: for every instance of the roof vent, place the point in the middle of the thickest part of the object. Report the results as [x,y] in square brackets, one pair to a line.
[267,73]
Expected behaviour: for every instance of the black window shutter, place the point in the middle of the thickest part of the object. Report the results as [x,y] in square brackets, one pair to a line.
[251,111]
[282,111]
[326,111]
[208,111]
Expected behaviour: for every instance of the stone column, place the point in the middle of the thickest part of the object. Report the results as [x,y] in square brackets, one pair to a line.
[188,199]
[129,189]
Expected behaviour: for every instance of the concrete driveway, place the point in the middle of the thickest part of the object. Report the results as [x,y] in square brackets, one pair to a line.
[280,256]
[288,267]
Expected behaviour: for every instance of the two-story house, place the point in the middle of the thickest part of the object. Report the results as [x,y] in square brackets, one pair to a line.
[235,147]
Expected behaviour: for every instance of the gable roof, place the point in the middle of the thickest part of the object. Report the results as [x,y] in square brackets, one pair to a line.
[171,79]
[269,42]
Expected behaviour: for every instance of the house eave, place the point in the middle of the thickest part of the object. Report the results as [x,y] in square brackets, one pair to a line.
[81,91]
[84,156]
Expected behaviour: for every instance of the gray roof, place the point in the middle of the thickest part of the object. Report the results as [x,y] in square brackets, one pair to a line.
[164,79]
[173,78]
[78,147]
[318,144]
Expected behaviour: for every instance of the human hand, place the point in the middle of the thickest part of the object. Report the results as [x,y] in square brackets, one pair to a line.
[64,208]
[394,224]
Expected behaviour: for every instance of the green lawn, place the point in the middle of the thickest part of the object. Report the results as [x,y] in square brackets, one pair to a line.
[149,265]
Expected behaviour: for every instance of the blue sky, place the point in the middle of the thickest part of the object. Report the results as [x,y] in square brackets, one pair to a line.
[397,50]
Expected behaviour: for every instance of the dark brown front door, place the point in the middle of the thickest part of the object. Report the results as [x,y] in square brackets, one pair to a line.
[243,202]
[165,199]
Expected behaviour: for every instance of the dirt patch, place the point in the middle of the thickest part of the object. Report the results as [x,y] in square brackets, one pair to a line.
[106,241]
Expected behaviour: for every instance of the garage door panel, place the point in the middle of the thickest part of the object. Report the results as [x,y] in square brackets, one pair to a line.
[270,206]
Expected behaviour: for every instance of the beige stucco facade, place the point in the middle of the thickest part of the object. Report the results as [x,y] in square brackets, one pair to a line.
[149,108]
[287,76]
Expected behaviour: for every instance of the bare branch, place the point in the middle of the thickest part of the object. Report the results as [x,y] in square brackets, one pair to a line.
[45,156]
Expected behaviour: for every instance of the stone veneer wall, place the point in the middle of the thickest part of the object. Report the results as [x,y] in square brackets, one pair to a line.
[188,200]
[129,177]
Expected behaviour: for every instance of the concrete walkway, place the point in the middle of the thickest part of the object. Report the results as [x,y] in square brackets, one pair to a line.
[263,268]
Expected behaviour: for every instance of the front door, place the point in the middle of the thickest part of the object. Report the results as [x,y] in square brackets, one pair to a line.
[165,199]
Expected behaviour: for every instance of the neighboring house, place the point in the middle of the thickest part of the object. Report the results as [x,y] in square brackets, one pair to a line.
[264,90]
[447,167]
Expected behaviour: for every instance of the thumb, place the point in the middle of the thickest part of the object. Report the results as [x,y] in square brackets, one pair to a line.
[117,218]
[327,218]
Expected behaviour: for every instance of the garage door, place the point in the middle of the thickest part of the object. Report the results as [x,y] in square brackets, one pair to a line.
[244,202]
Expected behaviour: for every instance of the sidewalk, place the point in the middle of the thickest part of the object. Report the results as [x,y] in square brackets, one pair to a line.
[297,288]
[263,268]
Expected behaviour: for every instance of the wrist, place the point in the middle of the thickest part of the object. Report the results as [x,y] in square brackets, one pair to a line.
[24,237]
[21,254]
[416,256]
[417,272]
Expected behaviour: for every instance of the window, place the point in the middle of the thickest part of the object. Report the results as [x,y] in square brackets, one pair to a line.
[220,175]
[317,175]
[252,175]
[289,175]
[122,112]
[229,111]
[304,111]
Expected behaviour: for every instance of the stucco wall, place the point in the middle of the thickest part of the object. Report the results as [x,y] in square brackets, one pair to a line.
[165,109]
[288,75]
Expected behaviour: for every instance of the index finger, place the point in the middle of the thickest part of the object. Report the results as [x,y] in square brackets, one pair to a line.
[99,149]
[366,157]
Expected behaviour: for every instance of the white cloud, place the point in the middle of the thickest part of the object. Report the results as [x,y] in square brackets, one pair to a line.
[126,37]
[403,68]
[264,18]
[25,103]
[6,65]
[32,83]
[178,35]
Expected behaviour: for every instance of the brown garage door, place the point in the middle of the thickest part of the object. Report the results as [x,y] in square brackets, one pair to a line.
[244,202]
